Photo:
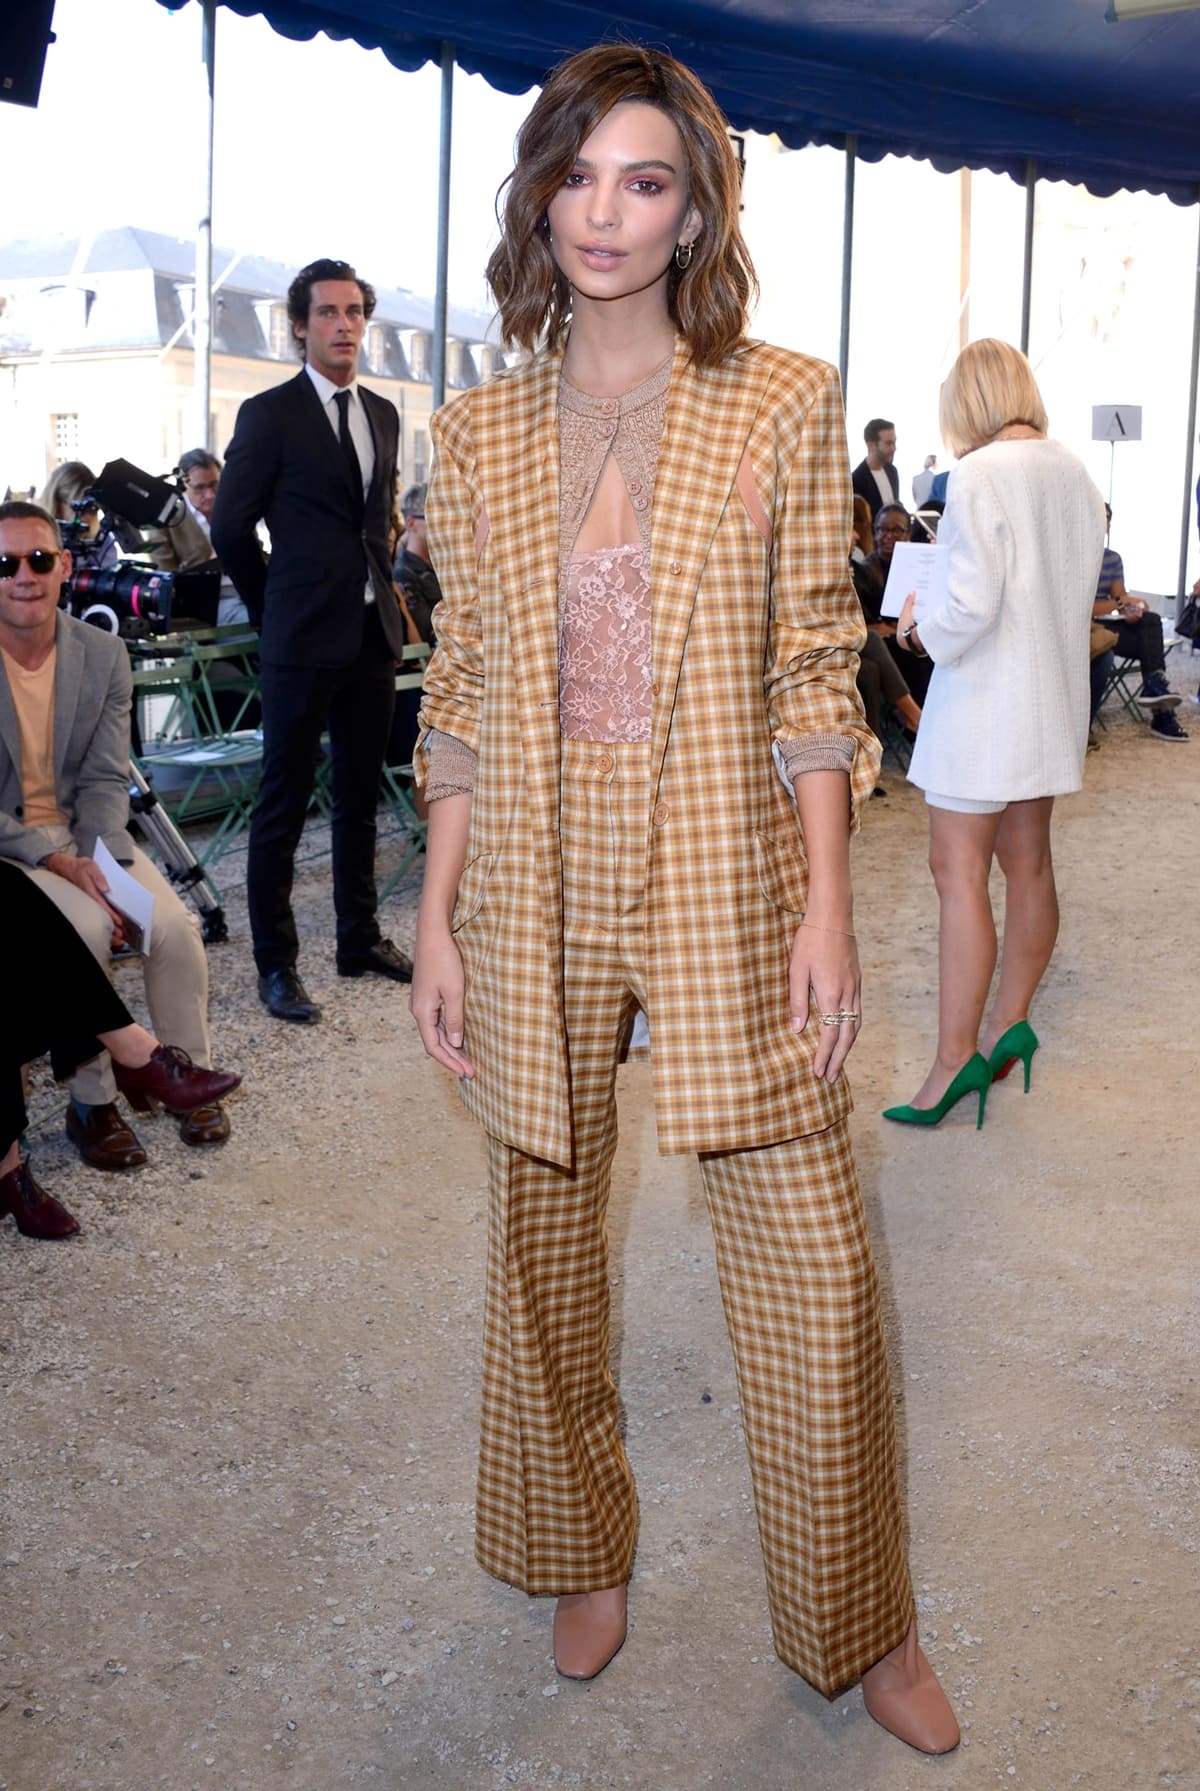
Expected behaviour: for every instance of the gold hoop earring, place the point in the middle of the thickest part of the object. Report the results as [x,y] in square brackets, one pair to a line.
[683,255]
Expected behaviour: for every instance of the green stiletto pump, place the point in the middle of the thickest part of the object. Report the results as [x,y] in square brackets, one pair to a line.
[975,1077]
[1019,1042]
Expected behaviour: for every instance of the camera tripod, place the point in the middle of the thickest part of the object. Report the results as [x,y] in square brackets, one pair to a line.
[180,863]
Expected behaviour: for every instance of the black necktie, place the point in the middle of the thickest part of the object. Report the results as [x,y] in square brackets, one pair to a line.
[346,442]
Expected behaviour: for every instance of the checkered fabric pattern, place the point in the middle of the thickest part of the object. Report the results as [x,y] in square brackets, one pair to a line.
[751,642]
[556,1508]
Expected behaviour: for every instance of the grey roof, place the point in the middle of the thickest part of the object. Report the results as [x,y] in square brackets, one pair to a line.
[135,276]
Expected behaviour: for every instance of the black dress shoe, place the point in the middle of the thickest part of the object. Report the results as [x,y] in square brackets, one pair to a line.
[284,995]
[380,959]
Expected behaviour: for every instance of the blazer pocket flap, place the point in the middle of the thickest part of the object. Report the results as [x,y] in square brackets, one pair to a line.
[472,888]
[782,872]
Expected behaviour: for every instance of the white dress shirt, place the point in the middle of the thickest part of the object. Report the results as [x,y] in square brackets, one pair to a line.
[360,433]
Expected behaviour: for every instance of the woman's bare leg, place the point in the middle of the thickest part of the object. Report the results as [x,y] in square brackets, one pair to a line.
[1030,912]
[960,857]
[131,1045]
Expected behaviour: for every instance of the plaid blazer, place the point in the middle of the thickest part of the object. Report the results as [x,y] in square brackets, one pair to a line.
[755,638]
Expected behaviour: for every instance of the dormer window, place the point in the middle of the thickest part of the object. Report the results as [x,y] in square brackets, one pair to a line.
[377,348]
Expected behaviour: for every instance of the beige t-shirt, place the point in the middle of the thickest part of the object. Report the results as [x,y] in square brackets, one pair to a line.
[33,700]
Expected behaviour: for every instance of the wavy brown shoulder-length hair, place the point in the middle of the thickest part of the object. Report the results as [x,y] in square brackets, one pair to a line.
[708,300]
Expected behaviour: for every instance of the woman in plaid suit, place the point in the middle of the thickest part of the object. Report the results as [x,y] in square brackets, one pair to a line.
[645,675]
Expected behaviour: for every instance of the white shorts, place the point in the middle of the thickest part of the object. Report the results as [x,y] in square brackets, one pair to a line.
[964,805]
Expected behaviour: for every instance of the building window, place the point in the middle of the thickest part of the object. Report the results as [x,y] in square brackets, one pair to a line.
[418,356]
[64,425]
[377,348]
[420,456]
[281,333]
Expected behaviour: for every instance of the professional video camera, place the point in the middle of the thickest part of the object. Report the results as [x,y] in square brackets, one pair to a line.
[132,597]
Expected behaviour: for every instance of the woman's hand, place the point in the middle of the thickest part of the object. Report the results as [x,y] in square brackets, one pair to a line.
[827,964]
[906,619]
[436,1002]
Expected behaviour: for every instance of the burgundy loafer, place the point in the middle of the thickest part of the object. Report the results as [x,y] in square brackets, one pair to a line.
[103,1139]
[38,1214]
[173,1080]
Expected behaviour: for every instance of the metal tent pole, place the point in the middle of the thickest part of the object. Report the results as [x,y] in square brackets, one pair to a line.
[1190,456]
[202,304]
[847,257]
[1027,268]
[440,297]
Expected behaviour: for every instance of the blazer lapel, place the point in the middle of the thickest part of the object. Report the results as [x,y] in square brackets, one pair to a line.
[521,499]
[68,675]
[710,412]
[10,738]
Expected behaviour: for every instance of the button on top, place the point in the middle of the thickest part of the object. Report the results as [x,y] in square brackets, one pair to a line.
[661,814]
[604,762]
[609,406]
[675,568]
[635,485]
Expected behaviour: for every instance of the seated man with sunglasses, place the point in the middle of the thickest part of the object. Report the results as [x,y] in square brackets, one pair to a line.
[65,695]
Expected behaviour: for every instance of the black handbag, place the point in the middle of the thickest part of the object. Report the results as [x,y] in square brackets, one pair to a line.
[1187,623]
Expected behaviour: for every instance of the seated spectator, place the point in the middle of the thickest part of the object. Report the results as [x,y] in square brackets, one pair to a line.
[413,571]
[1139,633]
[880,680]
[57,998]
[892,524]
[94,549]
[189,543]
[187,546]
[65,696]
[419,595]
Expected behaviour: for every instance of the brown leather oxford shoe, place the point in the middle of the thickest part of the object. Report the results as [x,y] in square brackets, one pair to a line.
[204,1125]
[103,1139]
[38,1214]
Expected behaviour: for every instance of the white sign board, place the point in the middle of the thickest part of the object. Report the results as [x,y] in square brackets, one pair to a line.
[1116,422]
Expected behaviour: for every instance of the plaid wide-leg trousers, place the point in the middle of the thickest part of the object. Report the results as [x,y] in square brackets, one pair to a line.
[556,1508]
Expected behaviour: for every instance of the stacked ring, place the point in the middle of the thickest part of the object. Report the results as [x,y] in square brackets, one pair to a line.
[839,1019]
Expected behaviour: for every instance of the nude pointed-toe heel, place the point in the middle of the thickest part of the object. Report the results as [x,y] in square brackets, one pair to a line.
[589,1630]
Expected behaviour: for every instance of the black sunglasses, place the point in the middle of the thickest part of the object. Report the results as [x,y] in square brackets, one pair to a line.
[41,560]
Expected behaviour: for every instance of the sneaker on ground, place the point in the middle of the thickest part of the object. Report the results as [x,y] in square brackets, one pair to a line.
[1156,693]
[1163,726]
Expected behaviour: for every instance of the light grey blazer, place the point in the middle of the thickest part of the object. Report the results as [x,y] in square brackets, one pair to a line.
[93,693]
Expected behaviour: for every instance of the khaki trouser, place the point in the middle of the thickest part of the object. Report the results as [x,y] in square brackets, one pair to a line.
[175,969]
[557,1510]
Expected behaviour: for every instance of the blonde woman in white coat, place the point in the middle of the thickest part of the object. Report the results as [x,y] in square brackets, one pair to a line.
[1004,728]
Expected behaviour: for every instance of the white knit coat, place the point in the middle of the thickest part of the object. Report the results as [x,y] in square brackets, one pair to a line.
[1006,716]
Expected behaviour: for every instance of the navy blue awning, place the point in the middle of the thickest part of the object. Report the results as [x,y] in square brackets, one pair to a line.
[975,83]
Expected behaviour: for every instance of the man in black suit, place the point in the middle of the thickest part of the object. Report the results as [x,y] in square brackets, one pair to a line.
[875,478]
[316,459]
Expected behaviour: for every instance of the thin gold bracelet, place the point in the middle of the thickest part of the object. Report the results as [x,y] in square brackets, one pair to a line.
[838,930]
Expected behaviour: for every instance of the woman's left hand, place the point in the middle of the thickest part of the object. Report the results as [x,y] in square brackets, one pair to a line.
[826,963]
[906,618]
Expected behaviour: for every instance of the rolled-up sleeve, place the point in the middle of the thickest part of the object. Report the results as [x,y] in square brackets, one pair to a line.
[816,626]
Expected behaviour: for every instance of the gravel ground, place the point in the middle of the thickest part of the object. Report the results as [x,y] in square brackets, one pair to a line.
[239,1412]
